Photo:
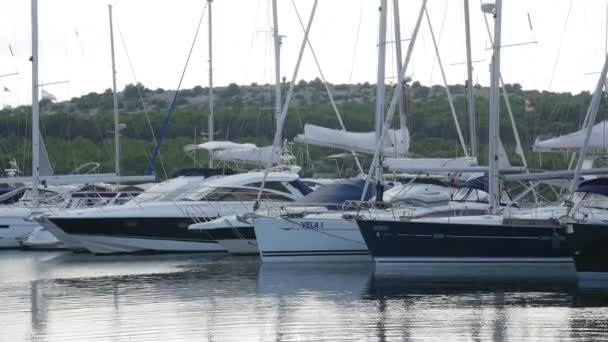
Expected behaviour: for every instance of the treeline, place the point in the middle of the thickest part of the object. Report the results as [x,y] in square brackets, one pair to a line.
[80,130]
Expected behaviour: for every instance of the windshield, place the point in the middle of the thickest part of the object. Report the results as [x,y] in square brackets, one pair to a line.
[210,193]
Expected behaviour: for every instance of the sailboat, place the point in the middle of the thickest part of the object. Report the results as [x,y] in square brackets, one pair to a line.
[535,237]
[58,190]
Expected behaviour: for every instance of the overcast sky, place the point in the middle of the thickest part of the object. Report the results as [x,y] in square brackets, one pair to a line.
[74,43]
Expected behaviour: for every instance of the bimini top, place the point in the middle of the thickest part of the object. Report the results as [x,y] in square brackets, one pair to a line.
[594,186]
[333,195]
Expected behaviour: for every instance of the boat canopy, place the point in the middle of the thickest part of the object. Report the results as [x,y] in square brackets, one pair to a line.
[595,186]
[574,141]
[333,195]
[396,142]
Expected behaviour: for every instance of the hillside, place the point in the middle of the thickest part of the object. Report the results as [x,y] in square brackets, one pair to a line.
[79,130]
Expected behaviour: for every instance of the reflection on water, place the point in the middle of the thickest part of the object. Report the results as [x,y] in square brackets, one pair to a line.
[61,296]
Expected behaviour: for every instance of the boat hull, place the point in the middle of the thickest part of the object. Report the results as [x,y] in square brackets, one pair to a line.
[137,235]
[310,240]
[13,230]
[235,240]
[416,243]
[589,243]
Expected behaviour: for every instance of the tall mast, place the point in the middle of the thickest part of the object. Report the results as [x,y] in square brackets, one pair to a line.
[114,100]
[470,97]
[402,118]
[210,118]
[35,106]
[380,94]
[277,65]
[494,134]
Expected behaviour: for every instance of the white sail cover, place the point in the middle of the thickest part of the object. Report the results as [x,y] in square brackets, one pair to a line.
[574,141]
[396,142]
[399,164]
[255,155]
[218,145]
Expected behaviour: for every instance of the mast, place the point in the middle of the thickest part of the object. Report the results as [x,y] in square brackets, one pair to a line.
[114,101]
[400,77]
[494,134]
[380,95]
[35,106]
[470,97]
[277,66]
[210,118]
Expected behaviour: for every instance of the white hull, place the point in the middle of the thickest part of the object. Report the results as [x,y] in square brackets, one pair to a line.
[310,240]
[41,239]
[13,230]
[240,246]
[114,245]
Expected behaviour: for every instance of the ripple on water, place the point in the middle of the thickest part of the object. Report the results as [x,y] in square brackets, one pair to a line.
[67,297]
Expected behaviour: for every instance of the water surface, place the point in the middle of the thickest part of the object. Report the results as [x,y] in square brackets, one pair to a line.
[61,296]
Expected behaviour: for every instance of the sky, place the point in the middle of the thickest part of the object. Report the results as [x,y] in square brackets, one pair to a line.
[563,43]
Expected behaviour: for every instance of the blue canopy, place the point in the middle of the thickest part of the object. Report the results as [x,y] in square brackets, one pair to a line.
[337,193]
[479,183]
[595,186]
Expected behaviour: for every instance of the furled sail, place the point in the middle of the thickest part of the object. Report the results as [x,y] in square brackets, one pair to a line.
[396,142]
[574,141]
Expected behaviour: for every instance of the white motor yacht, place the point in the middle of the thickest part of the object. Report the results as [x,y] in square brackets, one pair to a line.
[162,226]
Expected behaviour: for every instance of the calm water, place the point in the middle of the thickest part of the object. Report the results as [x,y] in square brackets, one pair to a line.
[60,296]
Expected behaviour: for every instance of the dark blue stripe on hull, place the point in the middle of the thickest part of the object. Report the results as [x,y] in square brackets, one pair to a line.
[160,228]
[448,240]
[238,233]
[314,253]
[475,262]
[590,247]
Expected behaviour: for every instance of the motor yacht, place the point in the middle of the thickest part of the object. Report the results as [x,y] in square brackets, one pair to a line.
[161,226]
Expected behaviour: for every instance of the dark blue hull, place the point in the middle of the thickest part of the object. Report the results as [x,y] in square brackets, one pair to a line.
[590,250]
[422,242]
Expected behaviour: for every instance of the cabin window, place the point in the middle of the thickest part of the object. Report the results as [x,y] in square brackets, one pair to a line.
[276,186]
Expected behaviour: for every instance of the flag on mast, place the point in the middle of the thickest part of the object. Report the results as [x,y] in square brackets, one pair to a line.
[48,96]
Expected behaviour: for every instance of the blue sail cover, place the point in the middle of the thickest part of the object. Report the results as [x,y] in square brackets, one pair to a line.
[333,195]
[595,186]
[479,183]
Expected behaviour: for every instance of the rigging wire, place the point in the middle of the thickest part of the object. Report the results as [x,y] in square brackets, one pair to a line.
[331,98]
[139,92]
[561,41]
[352,64]
[167,120]
[445,12]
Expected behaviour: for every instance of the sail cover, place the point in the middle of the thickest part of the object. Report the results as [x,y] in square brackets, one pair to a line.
[396,142]
[574,141]
[218,145]
[399,164]
[255,155]
[45,167]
